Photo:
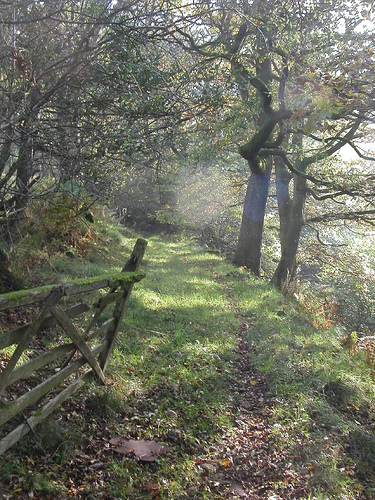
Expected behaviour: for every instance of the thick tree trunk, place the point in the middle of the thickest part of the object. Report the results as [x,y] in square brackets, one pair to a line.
[249,244]
[285,271]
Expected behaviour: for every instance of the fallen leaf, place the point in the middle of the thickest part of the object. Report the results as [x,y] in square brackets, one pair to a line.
[154,488]
[146,451]
[226,463]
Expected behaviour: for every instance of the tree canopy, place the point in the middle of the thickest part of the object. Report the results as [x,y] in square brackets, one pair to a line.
[97,92]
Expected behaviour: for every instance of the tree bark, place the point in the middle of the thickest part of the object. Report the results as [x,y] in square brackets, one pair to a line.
[8,282]
[249,244]
[248,252]
[285,271]
[24,171]
[284,203]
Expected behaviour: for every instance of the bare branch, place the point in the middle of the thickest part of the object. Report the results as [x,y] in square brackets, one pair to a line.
[367,216]
[317,233]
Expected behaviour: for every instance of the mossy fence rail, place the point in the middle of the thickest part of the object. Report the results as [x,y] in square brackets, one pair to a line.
[45,362]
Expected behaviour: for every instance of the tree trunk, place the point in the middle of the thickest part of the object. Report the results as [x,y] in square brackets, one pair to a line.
[24,171]
[8,282]
[284,203]
[249,244]
[25,163]
[285,271]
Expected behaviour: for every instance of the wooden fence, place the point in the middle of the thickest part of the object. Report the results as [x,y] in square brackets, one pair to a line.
[46,361]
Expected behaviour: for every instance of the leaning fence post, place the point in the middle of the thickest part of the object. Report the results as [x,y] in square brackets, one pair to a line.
[131,265]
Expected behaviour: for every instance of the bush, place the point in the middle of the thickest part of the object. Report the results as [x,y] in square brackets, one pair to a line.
[54,226]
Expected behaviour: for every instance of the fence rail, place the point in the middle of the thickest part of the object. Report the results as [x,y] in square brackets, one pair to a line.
[46,361]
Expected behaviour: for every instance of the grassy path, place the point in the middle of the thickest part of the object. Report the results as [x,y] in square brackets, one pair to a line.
[252,401]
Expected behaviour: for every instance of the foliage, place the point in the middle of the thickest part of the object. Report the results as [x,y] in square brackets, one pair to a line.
[55,226]
[43,63]
[301,89]
[129,101]
[94,98]
[338,276]
[57,235]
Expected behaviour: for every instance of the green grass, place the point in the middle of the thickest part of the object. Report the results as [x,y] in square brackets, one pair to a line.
[325,415]
[171,375]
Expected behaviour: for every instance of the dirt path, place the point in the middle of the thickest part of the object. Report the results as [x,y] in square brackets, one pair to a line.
[242,465]
[250,468]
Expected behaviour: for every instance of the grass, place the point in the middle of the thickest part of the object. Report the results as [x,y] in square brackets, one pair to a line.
[325,415]
[172,376]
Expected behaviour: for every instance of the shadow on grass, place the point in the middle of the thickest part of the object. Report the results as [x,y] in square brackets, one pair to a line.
[171,373]
[172,370]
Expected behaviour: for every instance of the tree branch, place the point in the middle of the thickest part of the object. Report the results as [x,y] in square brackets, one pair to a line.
[367,216]
[322,155]
[321,241]
[320,182]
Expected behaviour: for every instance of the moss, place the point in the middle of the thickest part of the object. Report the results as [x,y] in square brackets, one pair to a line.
[112,278]
[13,299]
[142,242]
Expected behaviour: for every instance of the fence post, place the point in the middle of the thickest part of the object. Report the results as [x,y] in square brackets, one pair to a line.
[131,265]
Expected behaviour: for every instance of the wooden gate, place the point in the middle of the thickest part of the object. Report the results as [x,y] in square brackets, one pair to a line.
[46,361]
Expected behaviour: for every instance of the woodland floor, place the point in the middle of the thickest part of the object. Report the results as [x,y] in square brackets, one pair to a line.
[250,469]
[244,450]
[253,467]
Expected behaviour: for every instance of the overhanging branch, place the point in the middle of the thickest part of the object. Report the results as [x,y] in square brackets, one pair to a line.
[367,216]
[341,141]
[338,190]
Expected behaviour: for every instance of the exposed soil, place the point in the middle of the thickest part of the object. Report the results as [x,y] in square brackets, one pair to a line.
[251,469]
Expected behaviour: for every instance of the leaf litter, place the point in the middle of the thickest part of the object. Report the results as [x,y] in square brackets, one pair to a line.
[241,465]
[247,466]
